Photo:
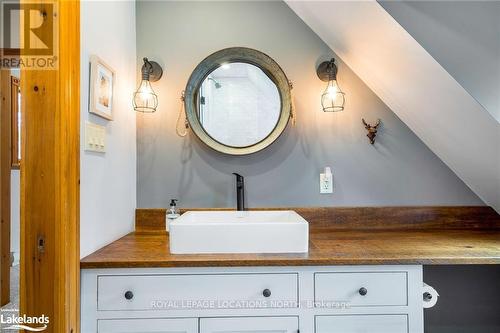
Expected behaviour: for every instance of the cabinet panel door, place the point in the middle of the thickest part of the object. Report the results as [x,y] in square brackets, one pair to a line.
[382,289]
[362,324]
[188,325]
[249,325]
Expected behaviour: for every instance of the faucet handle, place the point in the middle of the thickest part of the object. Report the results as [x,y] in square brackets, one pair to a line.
[239,178]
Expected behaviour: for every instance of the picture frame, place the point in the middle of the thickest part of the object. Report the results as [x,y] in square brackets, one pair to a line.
[101,86]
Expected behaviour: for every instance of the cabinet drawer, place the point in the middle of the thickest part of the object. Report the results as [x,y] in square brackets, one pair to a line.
[361,289]
[204,291]
[188,325]
[249,325]
[362,323]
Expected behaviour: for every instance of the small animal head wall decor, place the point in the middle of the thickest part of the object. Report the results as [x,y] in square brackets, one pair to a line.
[372,130]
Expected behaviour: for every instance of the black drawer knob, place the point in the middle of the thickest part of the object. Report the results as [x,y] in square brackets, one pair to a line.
[266,292]
[362,291]
[129,295]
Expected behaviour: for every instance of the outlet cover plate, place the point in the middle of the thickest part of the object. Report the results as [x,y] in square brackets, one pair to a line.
[325,183]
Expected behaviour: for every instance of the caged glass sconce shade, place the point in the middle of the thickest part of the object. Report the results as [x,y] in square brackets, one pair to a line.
[332,99]
[145,99]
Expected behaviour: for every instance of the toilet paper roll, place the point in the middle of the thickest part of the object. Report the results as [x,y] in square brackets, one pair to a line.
[429,296]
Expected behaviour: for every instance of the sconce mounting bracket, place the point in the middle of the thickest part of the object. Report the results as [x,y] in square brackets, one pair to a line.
[156,73]
[151,70]
[327,70]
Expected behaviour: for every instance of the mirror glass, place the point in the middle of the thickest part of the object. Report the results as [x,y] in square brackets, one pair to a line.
[238,104]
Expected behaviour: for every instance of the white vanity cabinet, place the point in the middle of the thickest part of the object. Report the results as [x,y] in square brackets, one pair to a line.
[309,299]
[189,325]
[362,289]
[362,323]
[249,325]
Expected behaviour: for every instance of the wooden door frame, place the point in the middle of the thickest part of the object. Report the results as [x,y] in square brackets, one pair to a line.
[50,184]
[7,105]
[5,175]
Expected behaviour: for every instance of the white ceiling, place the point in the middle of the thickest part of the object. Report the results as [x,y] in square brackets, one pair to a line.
[414,85]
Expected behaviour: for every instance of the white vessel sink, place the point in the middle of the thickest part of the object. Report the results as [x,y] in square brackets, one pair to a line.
[239,232]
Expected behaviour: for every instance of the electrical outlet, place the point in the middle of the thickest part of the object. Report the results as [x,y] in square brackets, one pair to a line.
[326,182]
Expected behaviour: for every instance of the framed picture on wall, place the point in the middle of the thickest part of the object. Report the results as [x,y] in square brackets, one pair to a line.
[102,82]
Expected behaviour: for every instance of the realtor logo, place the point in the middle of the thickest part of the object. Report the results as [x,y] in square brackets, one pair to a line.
[10,320]
[28,35]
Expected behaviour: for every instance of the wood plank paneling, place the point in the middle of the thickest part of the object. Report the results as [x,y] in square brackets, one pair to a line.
[50,180]
[350,218]
[150,220]
[395,218]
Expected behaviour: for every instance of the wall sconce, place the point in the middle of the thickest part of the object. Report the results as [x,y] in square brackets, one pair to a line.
[145,99]
[333,98]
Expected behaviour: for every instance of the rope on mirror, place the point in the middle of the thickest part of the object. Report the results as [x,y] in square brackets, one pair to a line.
[179,129]
[293,111]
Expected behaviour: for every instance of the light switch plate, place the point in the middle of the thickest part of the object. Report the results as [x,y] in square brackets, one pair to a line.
[95,138]
[325,183]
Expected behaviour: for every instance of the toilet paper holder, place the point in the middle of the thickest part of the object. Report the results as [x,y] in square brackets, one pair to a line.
[429,296]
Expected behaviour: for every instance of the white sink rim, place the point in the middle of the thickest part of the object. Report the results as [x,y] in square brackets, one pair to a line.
[220,217]
[230,232]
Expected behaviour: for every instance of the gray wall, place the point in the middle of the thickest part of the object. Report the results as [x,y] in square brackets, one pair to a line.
[469,299]
[398,170]
[463,36]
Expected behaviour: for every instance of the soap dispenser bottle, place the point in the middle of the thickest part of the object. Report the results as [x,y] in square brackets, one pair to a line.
[172,212]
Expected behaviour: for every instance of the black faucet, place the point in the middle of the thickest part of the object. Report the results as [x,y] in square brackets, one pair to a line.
[240,192]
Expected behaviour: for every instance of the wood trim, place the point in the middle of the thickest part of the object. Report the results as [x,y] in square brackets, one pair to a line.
[50,180]
[408,218]
[14,105]
[359,218]
[5,170]
[150,220]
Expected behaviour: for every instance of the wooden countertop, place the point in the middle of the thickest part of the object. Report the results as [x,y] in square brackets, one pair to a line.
[428,241]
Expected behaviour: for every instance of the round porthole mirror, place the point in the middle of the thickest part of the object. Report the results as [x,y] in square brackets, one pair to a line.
[238,101]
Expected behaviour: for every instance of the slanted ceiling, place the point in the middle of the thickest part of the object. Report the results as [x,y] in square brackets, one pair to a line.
[414,85]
